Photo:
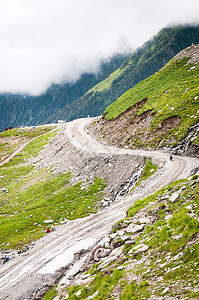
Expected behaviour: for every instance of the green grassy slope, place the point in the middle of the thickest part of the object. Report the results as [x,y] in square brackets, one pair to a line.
[29,196]
[173,91]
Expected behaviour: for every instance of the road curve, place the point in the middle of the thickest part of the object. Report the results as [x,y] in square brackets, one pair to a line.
[24,277]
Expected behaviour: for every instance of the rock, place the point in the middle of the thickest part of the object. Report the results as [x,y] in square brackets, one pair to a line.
[135,228]
[5,190]
[154,210]
[124,237]
[144,220]
[113,235]
[178,236]
[120,268]
[165,290]
[93,296]
[189,207]
[131,242]
[143,249]
[168,217]
[174,197]
[48,221]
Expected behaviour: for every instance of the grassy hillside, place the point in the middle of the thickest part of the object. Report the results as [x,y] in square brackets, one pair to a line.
[30,195]
[145,61]
[161,109]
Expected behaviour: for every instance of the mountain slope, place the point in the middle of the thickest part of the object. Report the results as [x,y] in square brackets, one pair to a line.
[159,111]
[141,64]
[16,109]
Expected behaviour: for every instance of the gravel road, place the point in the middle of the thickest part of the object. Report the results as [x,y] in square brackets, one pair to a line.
[52,259]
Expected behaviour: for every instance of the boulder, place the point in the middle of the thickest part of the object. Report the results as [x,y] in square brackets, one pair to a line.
[143,249]
[144,220]
[174,197]
[135,228]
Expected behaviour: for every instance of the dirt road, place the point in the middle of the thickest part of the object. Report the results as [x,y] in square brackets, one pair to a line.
[52,259]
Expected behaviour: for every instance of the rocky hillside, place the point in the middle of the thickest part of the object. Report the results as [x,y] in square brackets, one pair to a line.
[159,112]
[151,254]
[145,61]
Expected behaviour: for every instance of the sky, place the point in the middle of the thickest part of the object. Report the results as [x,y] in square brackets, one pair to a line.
[55,41]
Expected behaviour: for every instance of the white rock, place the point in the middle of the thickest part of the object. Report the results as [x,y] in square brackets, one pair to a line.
[165,290]
[142,249]
[48,221]
[134,228]
[113,235]
[174,197]
[168,217]
[144,220]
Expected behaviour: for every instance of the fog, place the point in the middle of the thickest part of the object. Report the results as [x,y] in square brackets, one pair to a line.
[45,42]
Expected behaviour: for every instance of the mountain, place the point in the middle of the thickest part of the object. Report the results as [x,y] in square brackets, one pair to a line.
[17,109]
[161,111]
[145,61]
[91,94]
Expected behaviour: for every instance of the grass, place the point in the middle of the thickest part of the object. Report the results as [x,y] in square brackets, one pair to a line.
[149,170]
[22,217]
[172,91]
[51,294]
[11,139]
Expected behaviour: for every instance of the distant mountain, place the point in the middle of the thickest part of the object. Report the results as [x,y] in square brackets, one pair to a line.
[91,94]
[16,109]
[147,60]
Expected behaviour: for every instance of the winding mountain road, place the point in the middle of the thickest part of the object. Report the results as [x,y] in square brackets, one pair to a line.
[51,260]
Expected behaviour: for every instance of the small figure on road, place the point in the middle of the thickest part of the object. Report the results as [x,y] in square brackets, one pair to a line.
[171,157]
[6,259]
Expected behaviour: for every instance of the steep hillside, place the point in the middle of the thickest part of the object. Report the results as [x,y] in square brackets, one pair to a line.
[151,254]
[142,63]
[161,111]
[16,109]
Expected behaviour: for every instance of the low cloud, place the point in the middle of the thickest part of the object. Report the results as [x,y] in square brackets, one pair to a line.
[54,41]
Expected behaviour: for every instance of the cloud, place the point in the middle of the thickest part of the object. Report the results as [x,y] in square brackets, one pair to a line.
[57,40]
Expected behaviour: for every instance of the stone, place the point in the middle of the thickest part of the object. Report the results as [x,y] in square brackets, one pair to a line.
[131,242]
[144,220]
[168,217]
[5,190]
[48,221]
[113,235]
[135,228]
[124,237]
[154,210]
[174,197]
[143,249]
[165,290]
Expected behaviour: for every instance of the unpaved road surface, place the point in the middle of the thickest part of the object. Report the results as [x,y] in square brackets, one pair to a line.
[52,258]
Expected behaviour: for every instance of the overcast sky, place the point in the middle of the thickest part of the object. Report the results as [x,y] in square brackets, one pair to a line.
[45,41]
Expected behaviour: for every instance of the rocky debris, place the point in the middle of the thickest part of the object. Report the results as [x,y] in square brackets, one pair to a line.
[130,251]
[118,170]
[186,145]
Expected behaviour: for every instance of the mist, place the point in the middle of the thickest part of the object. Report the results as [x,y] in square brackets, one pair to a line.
[45,42]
